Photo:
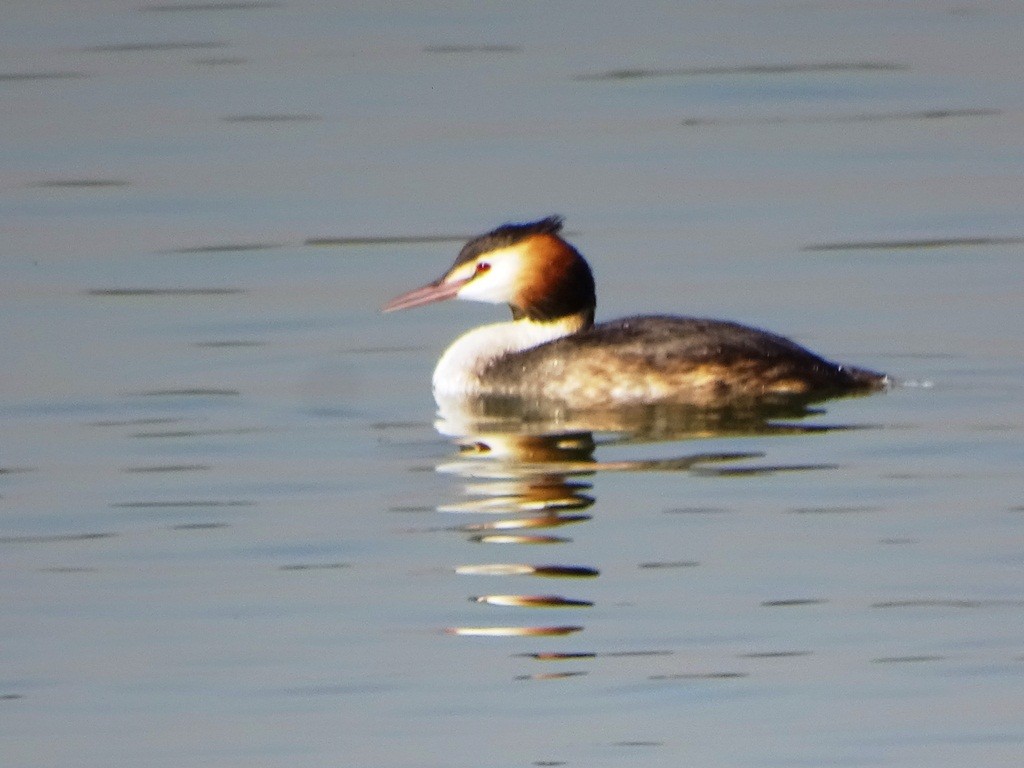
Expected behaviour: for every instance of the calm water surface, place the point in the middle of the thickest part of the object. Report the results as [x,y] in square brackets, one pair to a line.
[232,533]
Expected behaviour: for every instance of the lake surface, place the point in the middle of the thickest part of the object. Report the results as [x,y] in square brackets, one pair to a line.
[232,533]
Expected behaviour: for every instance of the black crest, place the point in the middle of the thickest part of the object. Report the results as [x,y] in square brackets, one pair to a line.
[506,235]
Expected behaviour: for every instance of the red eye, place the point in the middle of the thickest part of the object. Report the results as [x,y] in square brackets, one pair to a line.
[482,266]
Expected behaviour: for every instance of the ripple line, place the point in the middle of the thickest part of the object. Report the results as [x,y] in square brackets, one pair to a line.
[58,537]
[136,292]
[936,242]
[749,69]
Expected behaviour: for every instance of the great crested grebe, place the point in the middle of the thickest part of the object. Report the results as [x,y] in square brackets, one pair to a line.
[553,351]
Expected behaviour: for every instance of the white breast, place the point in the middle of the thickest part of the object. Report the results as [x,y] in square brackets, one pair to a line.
[459,370]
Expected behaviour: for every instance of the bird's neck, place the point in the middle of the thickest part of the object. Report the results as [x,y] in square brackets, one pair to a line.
[462,366]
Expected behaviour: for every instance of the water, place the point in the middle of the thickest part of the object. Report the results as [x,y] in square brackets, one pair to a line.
[231,534]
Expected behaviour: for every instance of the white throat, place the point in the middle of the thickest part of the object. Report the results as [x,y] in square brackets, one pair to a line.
[460,368]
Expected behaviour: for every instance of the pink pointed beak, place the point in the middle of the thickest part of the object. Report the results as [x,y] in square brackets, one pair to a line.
[428,294]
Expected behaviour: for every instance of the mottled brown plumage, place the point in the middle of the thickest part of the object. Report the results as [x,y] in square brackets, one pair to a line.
[664,358]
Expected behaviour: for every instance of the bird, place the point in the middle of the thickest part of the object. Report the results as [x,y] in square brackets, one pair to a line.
[552,351]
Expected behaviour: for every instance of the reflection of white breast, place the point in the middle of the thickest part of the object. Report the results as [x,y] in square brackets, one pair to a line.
[462,365]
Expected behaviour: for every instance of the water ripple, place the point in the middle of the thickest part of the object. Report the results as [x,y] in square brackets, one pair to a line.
[749,69]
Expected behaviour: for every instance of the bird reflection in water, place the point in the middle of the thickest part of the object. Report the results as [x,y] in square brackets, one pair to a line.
[531,466]
[533,483]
